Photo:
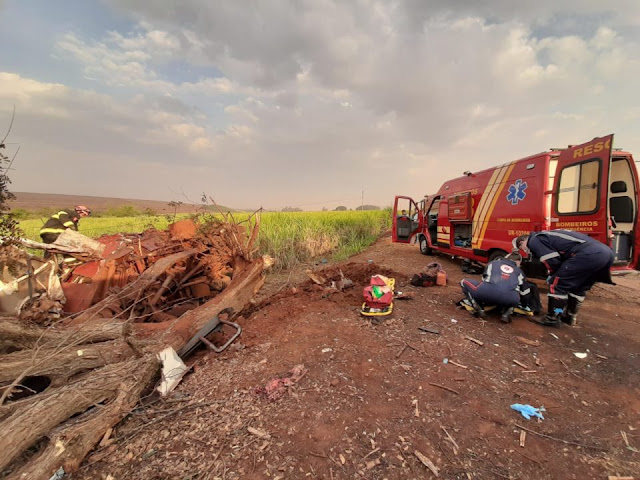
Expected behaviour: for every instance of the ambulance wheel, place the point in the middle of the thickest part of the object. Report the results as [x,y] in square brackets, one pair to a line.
[424,246]
[497,254]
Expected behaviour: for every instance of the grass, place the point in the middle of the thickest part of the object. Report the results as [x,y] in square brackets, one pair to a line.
[96,227]
[290,238]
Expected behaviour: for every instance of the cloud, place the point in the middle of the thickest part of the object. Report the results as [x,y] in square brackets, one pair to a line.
[137,121]
[320,100]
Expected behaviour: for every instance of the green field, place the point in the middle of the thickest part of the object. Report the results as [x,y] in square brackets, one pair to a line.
[290,238]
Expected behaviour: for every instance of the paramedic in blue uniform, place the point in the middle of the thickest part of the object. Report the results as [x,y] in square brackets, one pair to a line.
[500,286]
[575,262]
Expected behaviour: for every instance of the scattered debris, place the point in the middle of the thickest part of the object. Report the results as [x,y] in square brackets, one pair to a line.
[315,278]
[520,364]
[474,340]
[402,296]
[577,444]
[342,284]
[523,436]
[526,341]
[454,444]
[427,463]
[258,433]
[276,388]
[429,330]
[458,364]
[580,355]
[445,388]
[528,411]
[373,463]
[173,369]
[401,351]
[554,336]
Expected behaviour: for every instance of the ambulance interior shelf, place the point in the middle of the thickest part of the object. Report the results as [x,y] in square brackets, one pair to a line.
[462,235]
[460,218]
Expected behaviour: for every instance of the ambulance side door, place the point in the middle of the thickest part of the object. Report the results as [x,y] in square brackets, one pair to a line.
[581,187]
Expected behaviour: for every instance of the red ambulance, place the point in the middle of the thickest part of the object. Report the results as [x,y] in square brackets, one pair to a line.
[590,188]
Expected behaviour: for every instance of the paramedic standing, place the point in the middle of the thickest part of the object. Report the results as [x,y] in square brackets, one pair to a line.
[575,262]
[500,286]
[61,221]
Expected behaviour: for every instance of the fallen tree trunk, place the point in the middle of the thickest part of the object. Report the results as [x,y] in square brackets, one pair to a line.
[16,335]
[61,363]
[43,416]
[69,445]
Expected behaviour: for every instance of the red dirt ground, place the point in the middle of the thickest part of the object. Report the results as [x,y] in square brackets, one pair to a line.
[366,404]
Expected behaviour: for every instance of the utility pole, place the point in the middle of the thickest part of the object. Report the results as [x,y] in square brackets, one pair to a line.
[362,207]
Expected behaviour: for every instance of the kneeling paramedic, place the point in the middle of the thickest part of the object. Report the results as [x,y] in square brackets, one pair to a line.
[575,262]
[500,286]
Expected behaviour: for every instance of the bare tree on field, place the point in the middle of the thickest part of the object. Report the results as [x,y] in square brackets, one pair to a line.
[9,229]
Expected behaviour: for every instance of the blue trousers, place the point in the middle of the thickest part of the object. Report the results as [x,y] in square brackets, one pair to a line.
[486,293]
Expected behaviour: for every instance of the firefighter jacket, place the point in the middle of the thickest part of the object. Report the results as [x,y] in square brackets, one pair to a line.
[59,222]
[504,275]
[554,247]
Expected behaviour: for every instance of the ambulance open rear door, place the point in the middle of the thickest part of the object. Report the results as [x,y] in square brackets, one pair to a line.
[581,189]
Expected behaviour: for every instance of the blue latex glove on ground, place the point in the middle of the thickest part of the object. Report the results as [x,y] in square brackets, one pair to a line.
[528,411]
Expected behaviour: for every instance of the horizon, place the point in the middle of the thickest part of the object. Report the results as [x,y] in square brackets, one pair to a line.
[166,202]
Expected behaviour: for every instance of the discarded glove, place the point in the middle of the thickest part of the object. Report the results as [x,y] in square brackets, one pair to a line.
[528,411]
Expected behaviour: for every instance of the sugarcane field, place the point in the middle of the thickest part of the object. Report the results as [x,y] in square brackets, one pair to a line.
[314,240]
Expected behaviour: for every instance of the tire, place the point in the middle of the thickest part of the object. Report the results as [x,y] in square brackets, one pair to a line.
[497,254]
[424,246]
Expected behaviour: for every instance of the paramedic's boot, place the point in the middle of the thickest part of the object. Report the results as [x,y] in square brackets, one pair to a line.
[506,315]
[556,308]
[571,313]
[478,310]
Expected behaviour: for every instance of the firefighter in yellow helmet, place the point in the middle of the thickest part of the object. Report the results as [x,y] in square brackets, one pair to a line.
[62,220]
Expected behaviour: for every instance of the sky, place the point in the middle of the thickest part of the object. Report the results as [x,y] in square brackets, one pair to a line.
[305,103]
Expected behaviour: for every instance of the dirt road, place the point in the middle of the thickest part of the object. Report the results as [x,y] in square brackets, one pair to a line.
[368,401]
